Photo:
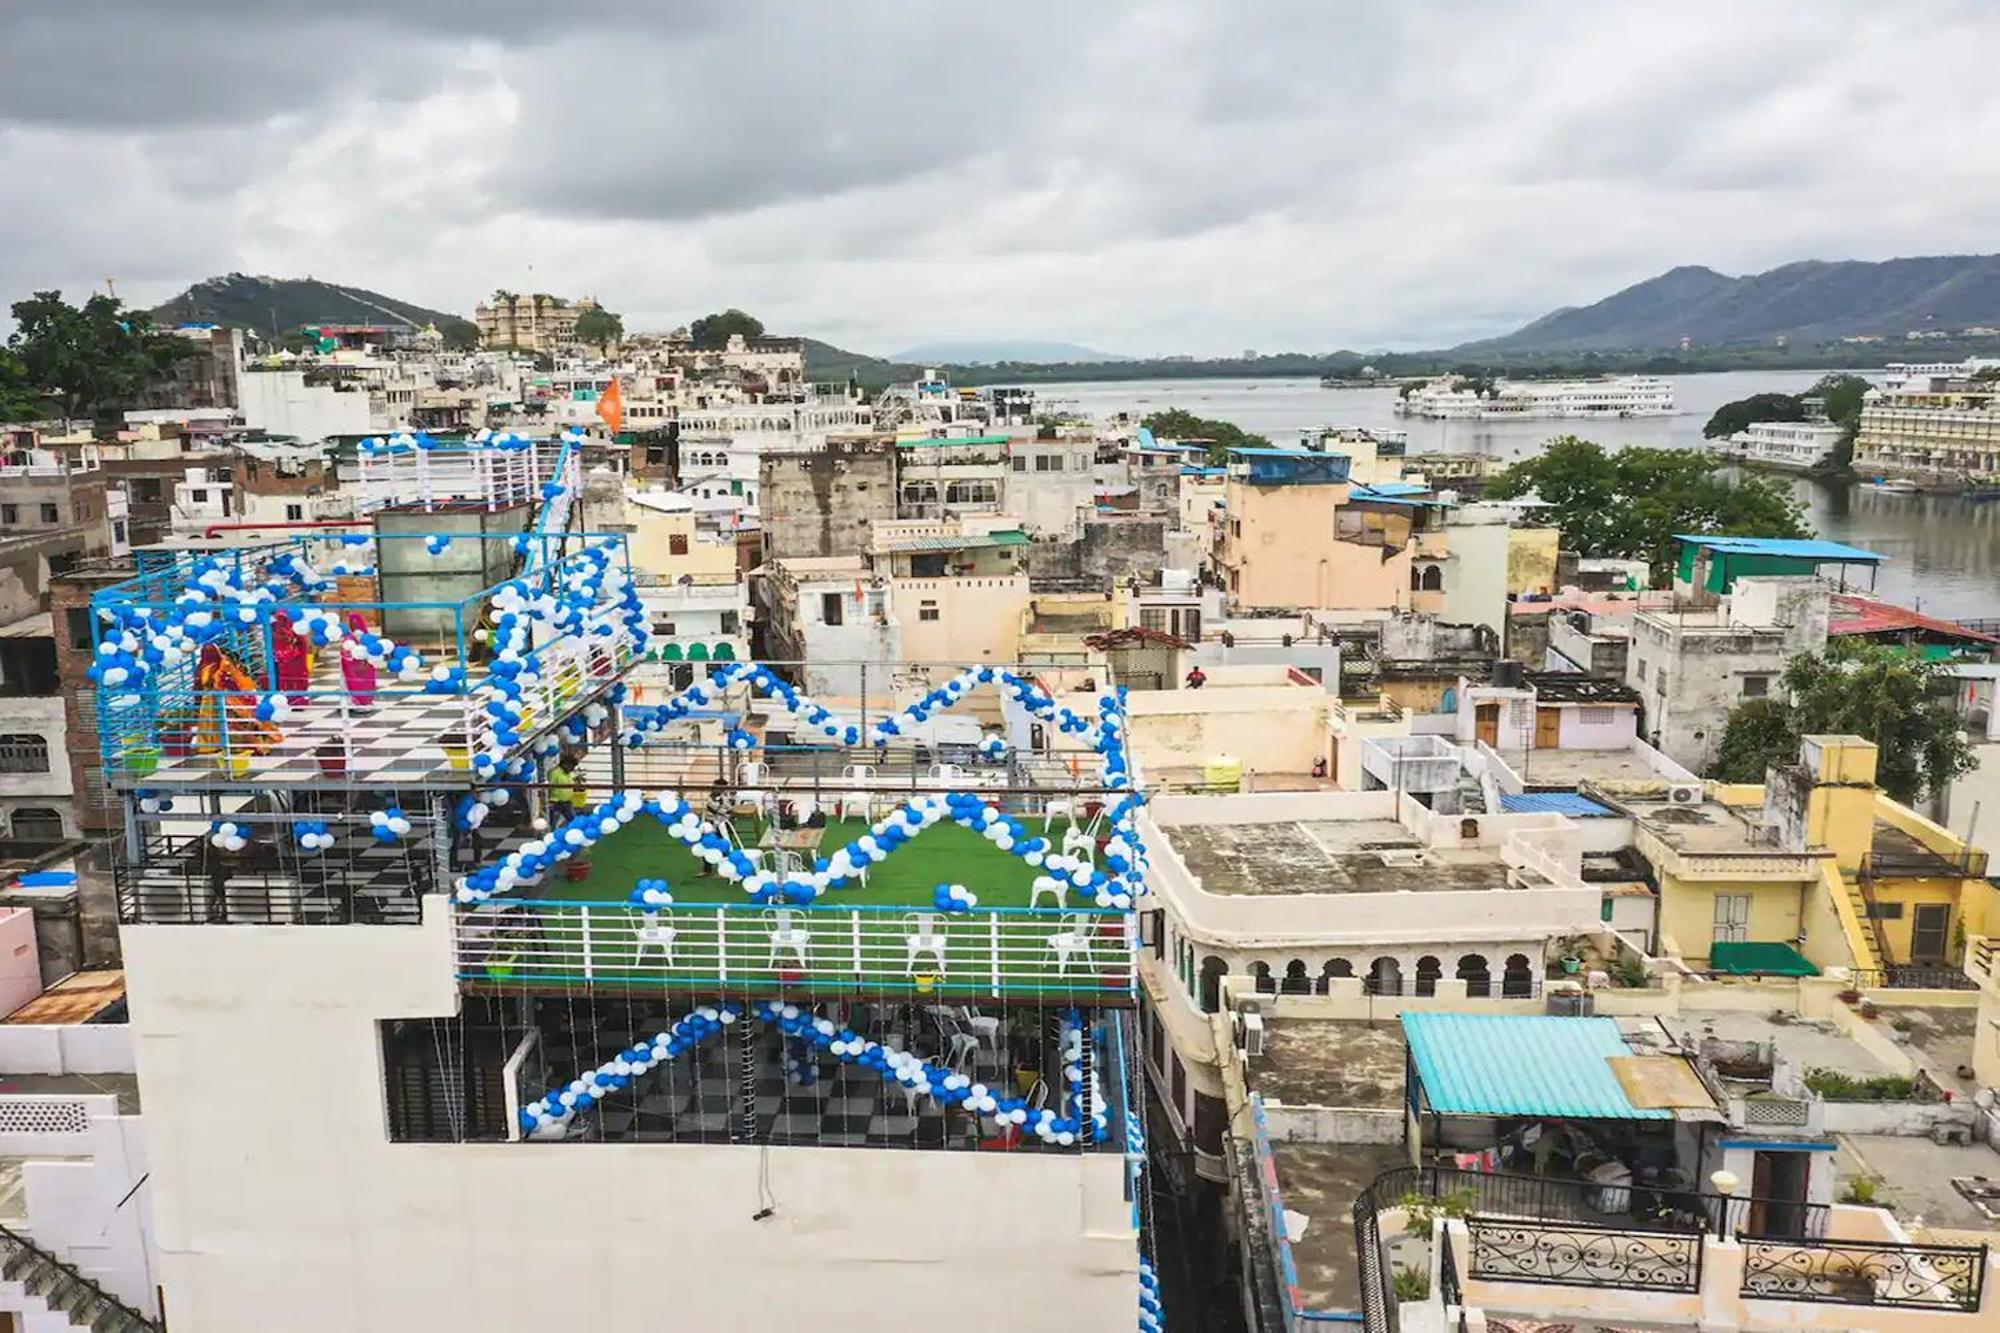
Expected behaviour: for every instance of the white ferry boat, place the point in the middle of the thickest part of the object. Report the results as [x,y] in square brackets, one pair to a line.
[1450,398]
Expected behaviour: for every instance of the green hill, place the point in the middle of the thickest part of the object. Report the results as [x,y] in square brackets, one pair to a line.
[275,306]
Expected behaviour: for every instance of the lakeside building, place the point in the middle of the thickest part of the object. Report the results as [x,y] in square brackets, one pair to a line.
[1937,425]
[1784,446]
[1449,398]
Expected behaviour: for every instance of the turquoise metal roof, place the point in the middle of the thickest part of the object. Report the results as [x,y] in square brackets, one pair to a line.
[1521,1065]
[1552,803]
[1798,548]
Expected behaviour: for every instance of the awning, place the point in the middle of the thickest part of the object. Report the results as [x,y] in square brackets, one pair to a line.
[1522,1065]
[1744,958]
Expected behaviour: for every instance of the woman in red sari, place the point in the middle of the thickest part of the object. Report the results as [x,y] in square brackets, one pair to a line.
[356,670]
[289,651]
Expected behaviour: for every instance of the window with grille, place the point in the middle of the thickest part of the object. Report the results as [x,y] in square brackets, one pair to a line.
[677,543]
[927,611]
[37,823]
[23,752]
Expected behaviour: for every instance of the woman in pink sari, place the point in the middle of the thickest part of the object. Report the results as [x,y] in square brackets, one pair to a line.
[356,670]
[294,675]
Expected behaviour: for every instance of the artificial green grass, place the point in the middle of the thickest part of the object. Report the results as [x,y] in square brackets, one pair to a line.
[986,955]
[945,853]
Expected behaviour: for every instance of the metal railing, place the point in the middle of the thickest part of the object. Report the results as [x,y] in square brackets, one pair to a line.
[1022,952]
[1912,976]
[1925,864]
[1583,1254]
[188,881]
[1842,1272]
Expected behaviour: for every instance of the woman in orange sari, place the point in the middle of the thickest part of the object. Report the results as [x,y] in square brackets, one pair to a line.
[228,702]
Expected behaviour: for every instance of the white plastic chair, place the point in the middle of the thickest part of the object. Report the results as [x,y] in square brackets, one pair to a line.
[749,774]
[844,807]
[1073,941]
[984,1027]
[652,932]
[787,935]
[1058,805]
[857,773]
[789,862]
[959,1045]
[947,773]
[927,936]
[1076,842]
[1049,884]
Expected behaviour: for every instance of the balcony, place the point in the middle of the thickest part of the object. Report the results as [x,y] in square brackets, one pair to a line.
[213,717]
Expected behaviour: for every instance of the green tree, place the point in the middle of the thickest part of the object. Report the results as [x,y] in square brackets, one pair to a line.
[1880,693]
[19,399]
[713,331]
[1177,423]
[92,358]
[1631,503]
[1736,416]
[599,328]
[1842,397]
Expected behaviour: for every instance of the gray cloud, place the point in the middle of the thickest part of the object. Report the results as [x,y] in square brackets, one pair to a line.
[1189,175]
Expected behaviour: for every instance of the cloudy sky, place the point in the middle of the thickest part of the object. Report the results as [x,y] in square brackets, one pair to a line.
[1198,177]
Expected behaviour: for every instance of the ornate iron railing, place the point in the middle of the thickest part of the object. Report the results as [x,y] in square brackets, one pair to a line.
[1578,1254]
[1912,976]
[1920,1277]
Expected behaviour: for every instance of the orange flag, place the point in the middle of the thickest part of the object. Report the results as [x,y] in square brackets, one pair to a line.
[612,406]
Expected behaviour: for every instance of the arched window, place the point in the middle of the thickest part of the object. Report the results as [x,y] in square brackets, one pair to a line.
[1385,977]
[23,752]
[1429,969]
[1433,578]
[1335,967]
[1296,980]
[1213,970]
[1416,579]
[1517,982]
[1260,974]
[1472,970]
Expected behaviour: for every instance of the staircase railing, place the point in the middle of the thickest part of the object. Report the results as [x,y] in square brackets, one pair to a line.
[96,1303]
[1880,936]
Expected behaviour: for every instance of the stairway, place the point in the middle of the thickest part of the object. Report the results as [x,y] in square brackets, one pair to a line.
[1870,939]
[66,1292]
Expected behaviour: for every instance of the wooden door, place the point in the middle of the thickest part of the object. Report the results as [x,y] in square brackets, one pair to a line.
[1548,728]
[1486,724]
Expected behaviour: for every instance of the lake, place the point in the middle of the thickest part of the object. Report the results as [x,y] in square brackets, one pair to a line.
[1944,552]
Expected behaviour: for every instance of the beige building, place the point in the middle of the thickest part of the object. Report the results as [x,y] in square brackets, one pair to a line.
[1296,532]
[533,323]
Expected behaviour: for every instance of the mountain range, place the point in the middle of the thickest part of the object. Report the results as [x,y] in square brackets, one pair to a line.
[273,306]
[1807,302]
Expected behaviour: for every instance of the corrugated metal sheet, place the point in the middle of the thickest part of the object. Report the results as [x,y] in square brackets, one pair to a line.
[1552,803]
[1506,1064]
[1798,548]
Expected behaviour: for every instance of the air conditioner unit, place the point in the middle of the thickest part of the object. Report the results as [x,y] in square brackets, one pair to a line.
[1253,1034]
[1685,793]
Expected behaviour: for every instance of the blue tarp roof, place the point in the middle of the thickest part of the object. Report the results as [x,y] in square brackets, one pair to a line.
[1552,803]
[1396,488]
[1798,548]
[1521,1065]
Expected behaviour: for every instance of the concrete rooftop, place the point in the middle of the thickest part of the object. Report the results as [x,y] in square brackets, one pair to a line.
[1320,1062]
[1326,856]
[1566,768]
[1708,827]
[1916,1177]
[1322,1181]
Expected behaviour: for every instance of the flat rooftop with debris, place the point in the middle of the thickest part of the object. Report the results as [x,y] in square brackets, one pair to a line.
[1323,1062]
[1327,856]
[1320,1182]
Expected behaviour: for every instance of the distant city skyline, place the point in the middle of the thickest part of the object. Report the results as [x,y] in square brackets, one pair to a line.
[1173,178]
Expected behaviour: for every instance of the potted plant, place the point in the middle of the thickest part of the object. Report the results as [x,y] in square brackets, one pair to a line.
[577,869]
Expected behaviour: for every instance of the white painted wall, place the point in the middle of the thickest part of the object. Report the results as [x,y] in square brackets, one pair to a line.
[281,402]
[281,1203]
[66,1048]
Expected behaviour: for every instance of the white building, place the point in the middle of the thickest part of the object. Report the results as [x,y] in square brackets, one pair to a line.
[1625,396]
[1787,446]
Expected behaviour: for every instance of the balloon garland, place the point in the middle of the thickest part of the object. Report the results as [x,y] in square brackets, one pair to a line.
[1152,1314]
[550,1114]
[533,859]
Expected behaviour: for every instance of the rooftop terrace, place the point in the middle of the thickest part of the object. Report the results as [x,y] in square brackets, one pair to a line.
[1328,856]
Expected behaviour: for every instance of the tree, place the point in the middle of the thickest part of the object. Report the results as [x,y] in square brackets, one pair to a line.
[599,327]
[1630,504]
[1177,423]
[1733,417]
[1842,398]
[91,358]
[19,399]
[1877,692]
[713,331]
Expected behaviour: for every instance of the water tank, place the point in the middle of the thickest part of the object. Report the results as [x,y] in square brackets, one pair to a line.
[1223,773]
[1509,674]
